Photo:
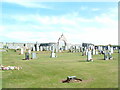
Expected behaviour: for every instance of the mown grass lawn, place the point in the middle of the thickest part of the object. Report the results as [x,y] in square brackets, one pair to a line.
[46,72]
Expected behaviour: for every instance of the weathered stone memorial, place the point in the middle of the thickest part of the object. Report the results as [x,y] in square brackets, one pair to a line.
[110,55]
[93,51]
[22,51]
[37,47]
[29,51]
[96,52]
[26,56]
[89,56]
[111,49]
[33,48]
[53,53]
[33,55]
[86,52]
[105,55]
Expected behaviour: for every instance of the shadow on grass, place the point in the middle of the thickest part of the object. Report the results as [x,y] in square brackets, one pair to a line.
[82,61]
[100,59]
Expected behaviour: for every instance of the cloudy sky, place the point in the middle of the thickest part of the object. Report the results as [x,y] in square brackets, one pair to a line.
[92,22]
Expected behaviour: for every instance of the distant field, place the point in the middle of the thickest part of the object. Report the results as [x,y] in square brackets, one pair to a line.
[46,72]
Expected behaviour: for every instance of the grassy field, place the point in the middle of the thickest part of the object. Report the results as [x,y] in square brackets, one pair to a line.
[46,72]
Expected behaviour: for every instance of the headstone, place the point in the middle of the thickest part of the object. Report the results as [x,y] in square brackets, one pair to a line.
[22,51]
[89,56]
[96,52]
[33,55]
[50,48]
[111,49]
[37,47]
[93,51]
[83,51]
[33,48]
[26,56]
[105,55]
[41,48]
[47,48]
[86,52]
[53,53]
[110,55]
[29,51]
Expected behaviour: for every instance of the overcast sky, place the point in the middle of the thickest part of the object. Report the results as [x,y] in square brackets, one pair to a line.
[92,22]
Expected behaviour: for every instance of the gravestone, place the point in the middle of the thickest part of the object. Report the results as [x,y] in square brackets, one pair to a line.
[33,48]
[111,49]
[110,55]
[105,55]
[86,52]
[41,48]
[22,51]
[37,47]
[26,56]
[89,56]
[93,51]
[50,48]
[96,52]
[53,53]
[33,55]
[29,51]
[83,51]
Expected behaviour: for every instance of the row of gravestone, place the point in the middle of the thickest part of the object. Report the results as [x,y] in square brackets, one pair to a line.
[107,51]
[107,55]
[86,51]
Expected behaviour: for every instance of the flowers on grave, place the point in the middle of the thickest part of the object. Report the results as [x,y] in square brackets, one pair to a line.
[9,67]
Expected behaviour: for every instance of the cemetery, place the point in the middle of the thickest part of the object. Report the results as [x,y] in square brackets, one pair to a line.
[46,65]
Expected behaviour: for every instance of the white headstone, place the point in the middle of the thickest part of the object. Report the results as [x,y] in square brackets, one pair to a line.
[22,52]
[105,55]
[37,47]
[93,52]
[96,52]
[111,49]
[89,56]
[53,55]
[29,51]
[33,55]
[86,52]
[33,48]
[41,48]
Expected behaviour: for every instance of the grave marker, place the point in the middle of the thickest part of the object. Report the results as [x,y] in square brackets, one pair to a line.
[33,55]
[89,56]
[22,51]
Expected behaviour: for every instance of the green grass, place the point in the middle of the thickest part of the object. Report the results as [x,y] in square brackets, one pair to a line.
[46,72]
